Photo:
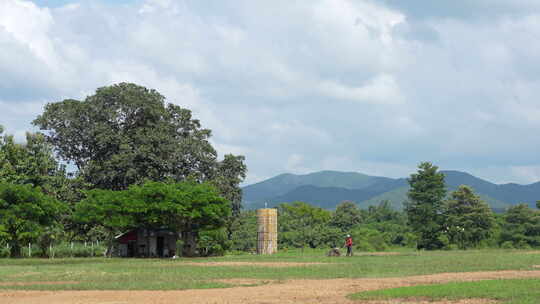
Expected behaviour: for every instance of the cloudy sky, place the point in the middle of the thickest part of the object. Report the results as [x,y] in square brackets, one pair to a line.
[299,86]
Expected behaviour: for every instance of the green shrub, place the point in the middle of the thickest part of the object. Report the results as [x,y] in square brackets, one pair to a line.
[507,245]
[214,242]
[65,250]
[4,252]
[366,239]
[522,245]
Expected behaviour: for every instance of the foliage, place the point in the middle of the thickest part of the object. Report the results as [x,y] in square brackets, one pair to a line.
[244,231]
[230,172]
[346,216]
[521,227]
[125,134]
[113,211]
[213,242]
[424,208]
[31,163]
[303,225]
[185,207]
[25,214]
[368,239]
[468,219]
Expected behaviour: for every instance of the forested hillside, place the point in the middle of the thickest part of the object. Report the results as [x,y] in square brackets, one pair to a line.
[327,189]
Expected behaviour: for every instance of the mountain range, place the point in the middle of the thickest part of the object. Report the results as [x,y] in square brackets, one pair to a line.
[326,189]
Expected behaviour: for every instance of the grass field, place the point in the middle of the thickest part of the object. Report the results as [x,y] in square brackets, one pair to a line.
[167,274]
[524,291]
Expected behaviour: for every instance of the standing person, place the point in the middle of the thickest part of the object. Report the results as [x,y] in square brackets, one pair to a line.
[349,244]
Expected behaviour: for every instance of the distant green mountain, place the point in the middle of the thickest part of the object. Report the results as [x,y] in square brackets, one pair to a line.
[281,184]
[328,188]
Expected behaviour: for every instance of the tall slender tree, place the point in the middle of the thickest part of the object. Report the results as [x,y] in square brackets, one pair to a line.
[424,206]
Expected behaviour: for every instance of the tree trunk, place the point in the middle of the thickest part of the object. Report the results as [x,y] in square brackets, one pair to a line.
[14,250]
[189,238]
[110,243]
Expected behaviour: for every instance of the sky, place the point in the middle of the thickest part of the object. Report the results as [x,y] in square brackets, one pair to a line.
[300,86]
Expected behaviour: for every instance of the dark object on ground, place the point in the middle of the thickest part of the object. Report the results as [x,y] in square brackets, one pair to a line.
[334,252]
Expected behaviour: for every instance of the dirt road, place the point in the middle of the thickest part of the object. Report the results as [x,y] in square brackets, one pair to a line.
[332,291]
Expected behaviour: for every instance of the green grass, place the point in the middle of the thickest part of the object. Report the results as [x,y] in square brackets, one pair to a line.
[167,274]
[522,291]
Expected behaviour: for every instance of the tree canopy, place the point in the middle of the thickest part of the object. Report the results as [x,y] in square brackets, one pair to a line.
[25,213]
[468,219]
[424,208]
[126,134]
[185,207]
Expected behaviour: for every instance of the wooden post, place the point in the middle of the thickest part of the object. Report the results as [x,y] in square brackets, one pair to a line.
[266,231]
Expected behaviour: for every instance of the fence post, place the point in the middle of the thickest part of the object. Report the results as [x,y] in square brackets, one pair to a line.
[92,248]
[51,253]
[71,251]
[29,250]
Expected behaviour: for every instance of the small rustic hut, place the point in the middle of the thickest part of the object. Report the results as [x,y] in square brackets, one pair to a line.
[146,243]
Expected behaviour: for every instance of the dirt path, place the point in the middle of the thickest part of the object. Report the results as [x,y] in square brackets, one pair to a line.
[257,264]
[293,291]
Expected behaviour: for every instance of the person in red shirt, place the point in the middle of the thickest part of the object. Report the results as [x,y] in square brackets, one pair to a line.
[349,244]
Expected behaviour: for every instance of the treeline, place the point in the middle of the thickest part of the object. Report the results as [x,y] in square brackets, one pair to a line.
[117,160]
[432,219]
[123,159]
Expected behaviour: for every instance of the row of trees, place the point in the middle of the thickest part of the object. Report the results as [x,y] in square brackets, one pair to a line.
[432,219]
[86,175]
[463,218]
[381,227]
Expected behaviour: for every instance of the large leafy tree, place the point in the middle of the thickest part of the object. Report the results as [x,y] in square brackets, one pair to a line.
[468,219]
[125,134]
[187,208]
[26,213]
[424,207]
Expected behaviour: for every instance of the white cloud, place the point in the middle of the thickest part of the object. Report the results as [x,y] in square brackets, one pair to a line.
[347,85]
[382,89]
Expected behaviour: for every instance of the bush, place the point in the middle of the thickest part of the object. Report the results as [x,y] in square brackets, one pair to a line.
[444,241]
[4,252]
[366,239]
[522,245]
[214,242]
[507,245]
[64,250]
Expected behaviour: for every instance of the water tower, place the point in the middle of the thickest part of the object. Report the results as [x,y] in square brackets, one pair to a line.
[266,231]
